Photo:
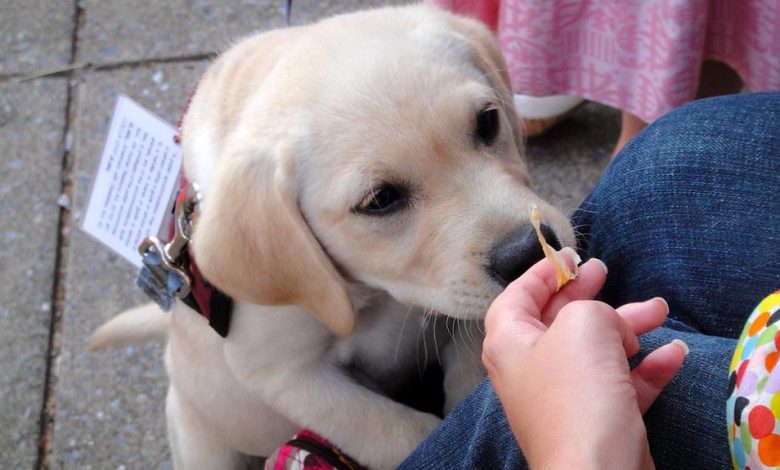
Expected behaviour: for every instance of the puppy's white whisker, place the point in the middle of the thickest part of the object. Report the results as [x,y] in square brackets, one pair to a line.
[469,333]
[421,331]
[465,336]
[451,333]
[589,203]
[435,341]
[481,327]
[457,330]
[401,334]
[427,318]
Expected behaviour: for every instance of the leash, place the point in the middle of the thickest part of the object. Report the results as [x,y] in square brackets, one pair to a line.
[287,11]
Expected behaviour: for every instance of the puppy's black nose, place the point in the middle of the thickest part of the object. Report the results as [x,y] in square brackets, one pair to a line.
[517,252]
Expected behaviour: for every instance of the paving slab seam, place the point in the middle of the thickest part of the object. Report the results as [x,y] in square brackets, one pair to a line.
[68,70]
[111,66]
[49,403]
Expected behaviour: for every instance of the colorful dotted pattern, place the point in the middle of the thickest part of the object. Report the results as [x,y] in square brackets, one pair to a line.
[753,407]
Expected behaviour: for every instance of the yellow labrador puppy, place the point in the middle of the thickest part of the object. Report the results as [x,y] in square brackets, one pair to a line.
[357,175]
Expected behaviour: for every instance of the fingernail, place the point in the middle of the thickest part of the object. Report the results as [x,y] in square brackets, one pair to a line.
[666,304]
[600,263]
[681,344]
[573,255]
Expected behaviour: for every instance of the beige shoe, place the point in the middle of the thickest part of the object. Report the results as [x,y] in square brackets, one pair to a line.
[539,114]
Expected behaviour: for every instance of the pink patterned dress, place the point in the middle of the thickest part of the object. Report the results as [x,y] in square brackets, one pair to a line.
[642,56]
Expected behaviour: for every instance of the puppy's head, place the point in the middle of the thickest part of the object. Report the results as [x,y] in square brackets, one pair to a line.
[383,149]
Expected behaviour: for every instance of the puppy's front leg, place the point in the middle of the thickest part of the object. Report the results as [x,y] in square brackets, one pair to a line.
[191,443]
[285,357]
[373,429]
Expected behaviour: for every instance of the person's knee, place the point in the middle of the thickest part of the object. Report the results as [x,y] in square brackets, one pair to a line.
[703,145]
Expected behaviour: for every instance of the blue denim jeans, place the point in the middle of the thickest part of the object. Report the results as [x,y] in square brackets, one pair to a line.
[690,211]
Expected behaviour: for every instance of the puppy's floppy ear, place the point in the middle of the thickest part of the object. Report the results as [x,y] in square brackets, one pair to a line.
[488,58]
[252,242]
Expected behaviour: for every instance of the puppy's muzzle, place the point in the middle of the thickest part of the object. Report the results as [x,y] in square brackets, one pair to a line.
[520,250]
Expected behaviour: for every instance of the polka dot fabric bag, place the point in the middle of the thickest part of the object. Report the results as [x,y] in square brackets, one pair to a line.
[753,406]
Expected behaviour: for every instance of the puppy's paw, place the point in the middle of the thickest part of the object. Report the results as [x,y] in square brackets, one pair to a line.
[394,443]
[427,423]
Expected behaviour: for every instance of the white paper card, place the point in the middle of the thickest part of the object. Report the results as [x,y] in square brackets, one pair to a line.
[133,188]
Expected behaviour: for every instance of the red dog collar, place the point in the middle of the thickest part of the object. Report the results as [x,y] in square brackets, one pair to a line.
[203,297]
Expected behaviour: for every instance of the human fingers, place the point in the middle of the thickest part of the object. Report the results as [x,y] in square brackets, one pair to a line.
[656,371]
[645,316]
[589,281]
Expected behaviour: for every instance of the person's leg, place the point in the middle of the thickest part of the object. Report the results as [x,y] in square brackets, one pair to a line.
[630,126]
[717,79]
[644,219]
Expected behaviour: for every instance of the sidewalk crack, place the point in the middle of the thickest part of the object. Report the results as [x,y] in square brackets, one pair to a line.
[49,407]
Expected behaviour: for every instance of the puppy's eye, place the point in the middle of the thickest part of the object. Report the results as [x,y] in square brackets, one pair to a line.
[487,125]
[383,200]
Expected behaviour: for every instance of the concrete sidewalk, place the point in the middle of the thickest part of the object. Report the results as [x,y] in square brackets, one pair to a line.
[62,64]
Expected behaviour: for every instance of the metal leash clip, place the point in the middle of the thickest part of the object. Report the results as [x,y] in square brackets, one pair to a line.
[167,261]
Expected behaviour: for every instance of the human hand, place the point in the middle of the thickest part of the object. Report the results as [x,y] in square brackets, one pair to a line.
[558,362]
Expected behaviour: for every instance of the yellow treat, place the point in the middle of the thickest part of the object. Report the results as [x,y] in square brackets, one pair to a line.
[562,271]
